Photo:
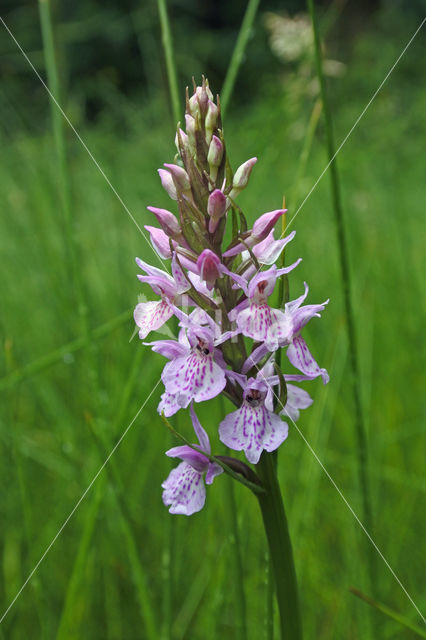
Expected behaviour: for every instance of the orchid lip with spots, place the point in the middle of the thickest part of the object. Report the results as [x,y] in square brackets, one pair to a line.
[222,292]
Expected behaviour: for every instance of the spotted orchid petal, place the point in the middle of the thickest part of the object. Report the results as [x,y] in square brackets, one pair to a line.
[181,281]
[168,405]
[253,429]
[195,377]
[184,490]
[269,250]
[264,324]
[150,316]
[296,399]
[300,357]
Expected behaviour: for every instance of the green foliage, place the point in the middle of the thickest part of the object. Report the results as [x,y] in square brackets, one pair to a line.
[107,574]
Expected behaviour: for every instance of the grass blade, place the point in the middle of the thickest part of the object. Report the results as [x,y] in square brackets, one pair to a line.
[237,55]
[389,612]
[166,38]
[360,430]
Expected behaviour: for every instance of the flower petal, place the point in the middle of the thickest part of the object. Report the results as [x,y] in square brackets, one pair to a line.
[301,358]
[150,316]
[202,436]
[213,470]
[184,490]
[269,250]
[189,455]
[168,405]
[181,282]
[264,324]
[195,377]
[253,429]
[301,316]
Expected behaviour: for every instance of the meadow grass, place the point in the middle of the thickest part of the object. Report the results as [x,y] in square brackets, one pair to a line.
[107,575]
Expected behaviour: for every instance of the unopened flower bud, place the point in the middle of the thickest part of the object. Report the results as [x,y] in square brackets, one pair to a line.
[203,99]
[168,221]
[160,241]
[211,120]
[214,156]
[216,208]
[261,229]
[180,178]
[190,130]
[194,107]
[264,224]
[209,267]
[167,183]
[241,177]
[184,138]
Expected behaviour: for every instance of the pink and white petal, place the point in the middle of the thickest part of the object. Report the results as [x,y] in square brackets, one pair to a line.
[194,377]
[239,280]
[255,321]
[255,357]
[212,382]
[263,324]
[232,315]
[276,430]
[291,412]
[150,316]
[298,397]
[201,433]
[223,337]
[284,270]
[160,242]
[232,430]
[200,285]
[295,304]
[301,316]
[181,282]
[238,248]
[150,270]
[189,455]
[253,429]
[301,358]
[184,490]
[168,405]
[169,348]
[213,471]
[269,250]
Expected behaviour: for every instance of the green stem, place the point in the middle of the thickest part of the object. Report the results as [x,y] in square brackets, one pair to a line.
[166,38]
[347,294]
[280,550]
[238,53]
[269,626]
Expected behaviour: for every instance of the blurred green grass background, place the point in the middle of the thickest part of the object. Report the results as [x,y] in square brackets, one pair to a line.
[107,575]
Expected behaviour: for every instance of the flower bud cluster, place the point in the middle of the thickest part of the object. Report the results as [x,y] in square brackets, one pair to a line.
[219,291]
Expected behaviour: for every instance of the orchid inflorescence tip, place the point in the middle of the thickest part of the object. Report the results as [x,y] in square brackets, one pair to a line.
[222,276]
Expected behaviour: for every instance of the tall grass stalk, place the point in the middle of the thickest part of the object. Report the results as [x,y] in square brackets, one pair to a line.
[63,168]
[9,403]
[238,53]
[166,38]
[390,613]
[111,469]
[363,471]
